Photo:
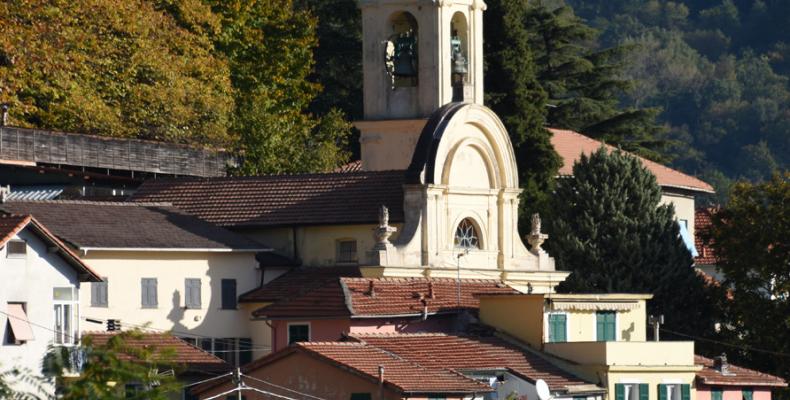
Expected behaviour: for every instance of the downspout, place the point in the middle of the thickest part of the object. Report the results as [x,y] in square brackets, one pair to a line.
[295,246]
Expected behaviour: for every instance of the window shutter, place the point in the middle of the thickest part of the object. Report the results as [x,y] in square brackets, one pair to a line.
[192,293]
[685,392]
[662,392]
[562,328]
[229,294]
[644,391]
[153,292]
[104,288]
[619,391]
[144,292]
[747,394]
[94,294]
[599,328]
[715,394]
[149,292]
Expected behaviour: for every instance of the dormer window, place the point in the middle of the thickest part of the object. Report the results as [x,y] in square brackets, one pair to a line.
[466,236]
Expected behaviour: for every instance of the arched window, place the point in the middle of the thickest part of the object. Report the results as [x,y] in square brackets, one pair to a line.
[466,236]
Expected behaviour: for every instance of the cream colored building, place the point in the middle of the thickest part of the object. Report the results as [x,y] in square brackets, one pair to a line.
[600,337]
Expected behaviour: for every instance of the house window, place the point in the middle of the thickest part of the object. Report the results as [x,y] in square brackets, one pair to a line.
[149,292]
[99,293]
[229,294]
[466,236]
[18,330]
[747,394]
[716,394]
[631,391]
[298,333]
[235,351]
[360,396]
[16,249]
[66,307]
[558,328]
[192,293]
[605,326]
[346,251]
[674,391]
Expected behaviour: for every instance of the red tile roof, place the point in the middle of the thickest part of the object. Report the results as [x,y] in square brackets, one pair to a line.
[11,224]
[353,166]
[570,145]
[335,294]
[702,225]
[738,376]
[277,200]
[296,283]
[177,351]
[468,353]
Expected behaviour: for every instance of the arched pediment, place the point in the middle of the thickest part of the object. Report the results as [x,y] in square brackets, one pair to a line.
[458,140]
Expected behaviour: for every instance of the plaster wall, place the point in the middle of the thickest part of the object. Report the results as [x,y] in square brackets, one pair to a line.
[684,208]
[30,280]
[652,379]
[434,323]
[521,318]
[581,325]
[260,331]
[125,269]
[732,392]
[321,330]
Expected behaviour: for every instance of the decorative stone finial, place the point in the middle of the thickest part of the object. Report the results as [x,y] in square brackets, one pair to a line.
[535,237]
[383,232]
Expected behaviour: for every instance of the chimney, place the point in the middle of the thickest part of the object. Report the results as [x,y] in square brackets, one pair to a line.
[431,294]
[381,374]
[371,288]
[4,192]
[4,121]
[720,363]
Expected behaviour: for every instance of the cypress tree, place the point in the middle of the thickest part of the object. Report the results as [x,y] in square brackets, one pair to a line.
[606,226]
[514,93]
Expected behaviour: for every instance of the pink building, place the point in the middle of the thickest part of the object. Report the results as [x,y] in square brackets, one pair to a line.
[720,380]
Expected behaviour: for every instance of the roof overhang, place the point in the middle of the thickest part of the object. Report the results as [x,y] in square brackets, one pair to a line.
[86,249]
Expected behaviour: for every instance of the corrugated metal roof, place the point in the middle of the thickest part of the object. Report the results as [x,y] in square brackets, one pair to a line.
[35,192]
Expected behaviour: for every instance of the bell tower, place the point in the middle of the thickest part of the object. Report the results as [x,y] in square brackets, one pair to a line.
[418,55]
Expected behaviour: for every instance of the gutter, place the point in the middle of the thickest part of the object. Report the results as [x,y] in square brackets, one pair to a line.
[85,250]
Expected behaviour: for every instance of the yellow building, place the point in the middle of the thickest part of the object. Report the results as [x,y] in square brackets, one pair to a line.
[600,337]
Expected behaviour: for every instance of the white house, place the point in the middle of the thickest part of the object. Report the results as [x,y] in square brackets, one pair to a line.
[40,286]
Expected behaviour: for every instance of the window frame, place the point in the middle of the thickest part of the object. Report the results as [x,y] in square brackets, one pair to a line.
[338,252]
[143,297]
[616,325]
[548,325]
[103,300]
[61,336]
[479,245]
[189,287]
[288,331]
[16,255]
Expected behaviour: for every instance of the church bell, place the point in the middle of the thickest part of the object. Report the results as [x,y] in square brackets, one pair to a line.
[459,61]
[405,58]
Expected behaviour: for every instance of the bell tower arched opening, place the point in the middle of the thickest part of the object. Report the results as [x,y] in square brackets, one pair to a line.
[459,55]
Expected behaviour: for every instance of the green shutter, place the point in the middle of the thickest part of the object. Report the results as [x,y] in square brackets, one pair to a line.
[644,391]
[685,392]
[715,394]
[662,392]
[619,391]
[557,325]
[599,328]
[605,323]
[747,394]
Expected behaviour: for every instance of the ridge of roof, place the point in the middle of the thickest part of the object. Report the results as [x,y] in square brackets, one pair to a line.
[11,224]
[666,176]
[94,202]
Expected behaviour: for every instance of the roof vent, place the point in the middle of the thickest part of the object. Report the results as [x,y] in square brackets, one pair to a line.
[372,288]
[381,374]
[431,293]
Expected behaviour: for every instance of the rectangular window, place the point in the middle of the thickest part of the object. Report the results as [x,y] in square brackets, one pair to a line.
[347,251]
[66,308]
[229,294]
[674,391]
[716,394]
[225,348]
[18,327]
[149,292]
[99,293]
[605,325]
[360,396]
[631,391]
[298,333]
[747,394]
[16,249]
[192,293]
[558,324]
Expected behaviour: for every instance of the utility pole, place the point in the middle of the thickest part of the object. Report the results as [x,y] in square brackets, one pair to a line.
[656,321]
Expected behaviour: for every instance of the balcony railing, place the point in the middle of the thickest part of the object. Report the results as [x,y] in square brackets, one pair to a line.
[625,353]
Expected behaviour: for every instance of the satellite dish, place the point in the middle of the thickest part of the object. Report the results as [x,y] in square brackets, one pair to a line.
[543,390]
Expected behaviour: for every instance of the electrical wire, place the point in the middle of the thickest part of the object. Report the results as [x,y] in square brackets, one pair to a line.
[732,345]
[281,387]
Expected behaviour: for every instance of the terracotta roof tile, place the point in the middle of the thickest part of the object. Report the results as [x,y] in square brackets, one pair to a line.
[181,352]
[738,376]
[10,225]
[276,200]
[353,166]
[570,145]
[296,283]
[467,353]
[702,225]
[404,374]
[128,225]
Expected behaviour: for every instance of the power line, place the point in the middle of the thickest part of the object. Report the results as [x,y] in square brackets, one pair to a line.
[281,387]
[732,345]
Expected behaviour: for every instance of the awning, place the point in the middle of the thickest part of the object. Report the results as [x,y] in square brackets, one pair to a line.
[20,325]
[594,306]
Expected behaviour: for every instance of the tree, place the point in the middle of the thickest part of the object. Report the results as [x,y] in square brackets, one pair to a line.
[109,367]
[115,68]
[750,239]
[584,84]
[606,226]
[514,93]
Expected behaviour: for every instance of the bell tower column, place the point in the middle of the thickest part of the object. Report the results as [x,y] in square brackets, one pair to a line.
[417,56]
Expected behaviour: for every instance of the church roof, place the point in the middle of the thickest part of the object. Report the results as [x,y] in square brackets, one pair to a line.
[571,145]
[283,200]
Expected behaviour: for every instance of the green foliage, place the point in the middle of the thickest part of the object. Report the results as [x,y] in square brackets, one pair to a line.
[584,83]
[118,68]
[749,238]
[110,366]
[514,93]
[607,227]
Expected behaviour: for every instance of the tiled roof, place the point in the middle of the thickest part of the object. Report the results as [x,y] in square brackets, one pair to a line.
[738,376]
[468,353]
[397,296]
[338,292]
[570,145]
[297,283]
[277,200]
[175,350]
[11,224]
[405,375]
[702,224]
[353,166]
[86,224]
